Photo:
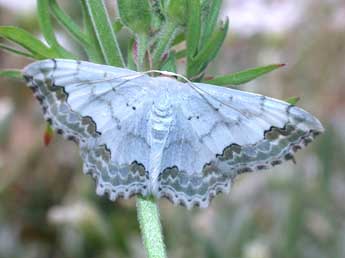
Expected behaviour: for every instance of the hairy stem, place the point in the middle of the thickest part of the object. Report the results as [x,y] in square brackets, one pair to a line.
[142,43]
[166,36]
[151,229]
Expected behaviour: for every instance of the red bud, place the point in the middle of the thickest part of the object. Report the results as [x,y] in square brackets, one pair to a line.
[48,135]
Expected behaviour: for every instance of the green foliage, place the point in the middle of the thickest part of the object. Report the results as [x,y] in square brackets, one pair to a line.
[176,11]
[47,29]
[210,11]
[193,28]
[293,100]
[13,74]
[27,41]
[164,40]
[155,27]
[103,30]
[15,51]
[170,64]
[94,52]
[136,15]
[243,76]
[208,52]
[68,24]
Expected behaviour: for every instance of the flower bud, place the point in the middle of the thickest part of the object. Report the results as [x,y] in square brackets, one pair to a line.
[48,135]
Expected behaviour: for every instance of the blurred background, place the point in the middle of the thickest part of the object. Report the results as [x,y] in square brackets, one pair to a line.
[48,208]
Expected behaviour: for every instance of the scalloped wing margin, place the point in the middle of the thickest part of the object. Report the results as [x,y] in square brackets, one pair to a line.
[111,179]
[277,146]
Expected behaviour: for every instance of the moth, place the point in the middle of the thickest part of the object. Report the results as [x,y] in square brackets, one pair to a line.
[158,136]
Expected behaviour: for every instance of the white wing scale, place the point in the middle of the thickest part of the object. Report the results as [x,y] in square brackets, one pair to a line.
[220,133]
[92,114]
[143,135]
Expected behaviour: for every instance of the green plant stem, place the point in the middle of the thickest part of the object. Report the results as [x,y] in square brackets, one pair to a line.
[151,229]
[166,37]
[142,43]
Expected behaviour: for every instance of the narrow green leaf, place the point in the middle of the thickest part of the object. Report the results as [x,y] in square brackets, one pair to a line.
[164,40]
[209,51]
[193,27]
[179,38]
[142,45]
[170,64]
[130,55]
[45,22]
[94,52]
[181,54]
[210,20]
[13,74]
[157,15]
[163,5]
[68,23]
[213,45]
[104,32]
[16,51]
[27,41]
[48,30]
[243,76]
[293,100]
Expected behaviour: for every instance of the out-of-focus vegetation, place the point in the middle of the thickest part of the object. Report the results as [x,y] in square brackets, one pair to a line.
[49,208]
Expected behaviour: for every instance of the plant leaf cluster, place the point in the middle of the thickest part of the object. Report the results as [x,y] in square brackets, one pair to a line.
[161,32]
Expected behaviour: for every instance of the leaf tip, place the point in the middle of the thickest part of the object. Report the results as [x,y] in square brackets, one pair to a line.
[293,100]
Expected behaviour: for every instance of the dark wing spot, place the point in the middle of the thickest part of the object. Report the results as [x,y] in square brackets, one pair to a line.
[55,63]
[28,78]
[296,148]
[276,162]
[262,102]
[244,170]
[261,167]
[288,109]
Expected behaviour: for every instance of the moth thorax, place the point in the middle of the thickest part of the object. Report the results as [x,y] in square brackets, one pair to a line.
[161,118]
[159,127]
[162,107]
